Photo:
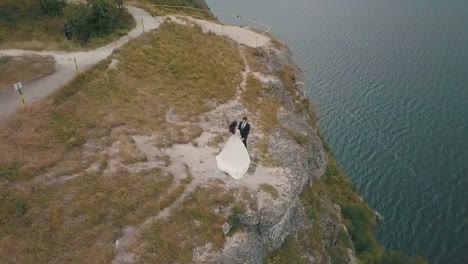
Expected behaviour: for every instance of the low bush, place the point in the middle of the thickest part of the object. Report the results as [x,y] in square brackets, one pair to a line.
[234,220]
[269,189]
[289,252]
[96,18]
[53,7]
[360,229]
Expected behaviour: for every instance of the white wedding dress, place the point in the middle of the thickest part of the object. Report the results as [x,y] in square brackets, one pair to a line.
[234,158]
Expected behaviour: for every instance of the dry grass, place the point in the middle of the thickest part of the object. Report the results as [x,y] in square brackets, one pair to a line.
[196,78]
[288,78]
[194,223]
[254,59]
[128,152]
[216,140]
[276,42]
[269,189]
[303,105]
[24,69]
[76,222]
[301,139]
[176,68]
[148,5]
[265,108]
[258,101]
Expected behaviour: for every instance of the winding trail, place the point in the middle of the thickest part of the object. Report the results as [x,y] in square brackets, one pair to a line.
[65,66]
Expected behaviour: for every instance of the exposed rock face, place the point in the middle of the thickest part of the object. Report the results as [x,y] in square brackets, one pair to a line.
[278,218]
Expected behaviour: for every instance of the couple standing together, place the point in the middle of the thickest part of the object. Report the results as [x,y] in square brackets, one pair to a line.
[234,158]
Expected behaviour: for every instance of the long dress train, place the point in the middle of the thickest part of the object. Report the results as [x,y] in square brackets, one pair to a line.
[234,158]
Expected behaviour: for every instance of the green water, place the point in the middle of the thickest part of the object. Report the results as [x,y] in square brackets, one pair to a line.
[390,79]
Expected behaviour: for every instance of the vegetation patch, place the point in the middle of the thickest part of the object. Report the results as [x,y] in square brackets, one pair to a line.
[288,76]
[177,7]
[77,221]
[255,57]
[97,19]
[167,240]
[289,252]
[265,107]
[24,68]
[234,220]
[303,105]
[301,139]
[8,173]
[269,189]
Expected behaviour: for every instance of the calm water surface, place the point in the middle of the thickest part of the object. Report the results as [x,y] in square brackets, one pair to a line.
[390,79]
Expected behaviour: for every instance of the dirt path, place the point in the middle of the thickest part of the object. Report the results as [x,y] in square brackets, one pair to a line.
[65,66]
[240,35]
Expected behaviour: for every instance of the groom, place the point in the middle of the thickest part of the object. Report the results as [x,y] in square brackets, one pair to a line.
[244,129]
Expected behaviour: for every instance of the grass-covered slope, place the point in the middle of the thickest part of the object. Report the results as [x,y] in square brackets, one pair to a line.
[47,214]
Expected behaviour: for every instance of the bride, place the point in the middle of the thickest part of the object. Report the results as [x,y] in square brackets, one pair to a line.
[234,158]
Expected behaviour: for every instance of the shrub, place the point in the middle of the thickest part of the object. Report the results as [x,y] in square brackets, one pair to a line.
[94,19]
[53,7]
[234,220]
[269,189]
[362,223]
[9,173]
[289,252]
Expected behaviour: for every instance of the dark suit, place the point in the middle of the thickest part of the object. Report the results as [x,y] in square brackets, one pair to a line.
[244,132]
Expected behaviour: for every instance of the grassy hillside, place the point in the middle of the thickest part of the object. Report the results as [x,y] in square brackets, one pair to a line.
[57,217]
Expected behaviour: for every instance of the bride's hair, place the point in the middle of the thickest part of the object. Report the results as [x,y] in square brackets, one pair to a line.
[232,127]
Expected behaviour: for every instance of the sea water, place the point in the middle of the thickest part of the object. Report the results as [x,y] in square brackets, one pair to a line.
[389,79]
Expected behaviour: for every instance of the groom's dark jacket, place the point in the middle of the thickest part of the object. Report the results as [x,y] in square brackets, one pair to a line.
[244,132]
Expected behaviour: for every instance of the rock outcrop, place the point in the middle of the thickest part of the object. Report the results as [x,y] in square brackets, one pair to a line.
[277,218]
